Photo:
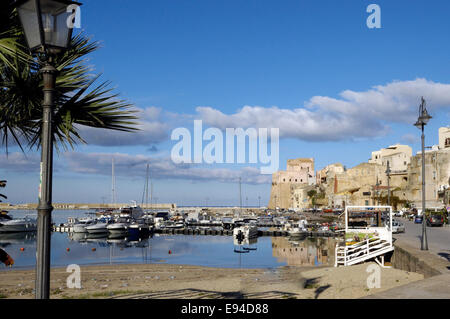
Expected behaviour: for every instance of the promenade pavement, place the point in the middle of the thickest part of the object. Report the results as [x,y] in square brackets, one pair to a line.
[437,256]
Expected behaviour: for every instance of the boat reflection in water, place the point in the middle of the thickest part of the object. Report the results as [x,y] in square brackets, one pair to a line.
[113,241]
[116,237]
[304,252]
[244,245]
[17,238]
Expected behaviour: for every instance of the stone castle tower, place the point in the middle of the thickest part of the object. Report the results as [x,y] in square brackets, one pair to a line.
[298,172]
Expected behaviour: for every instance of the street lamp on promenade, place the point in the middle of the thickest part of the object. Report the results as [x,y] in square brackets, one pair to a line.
[377,192]
[422,120]
[48,32]
[388,173]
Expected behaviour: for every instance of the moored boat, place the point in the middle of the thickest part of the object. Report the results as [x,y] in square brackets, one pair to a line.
[247,231]
[82,223]
[120,226]
[138,228]
[97,228]
[18,225]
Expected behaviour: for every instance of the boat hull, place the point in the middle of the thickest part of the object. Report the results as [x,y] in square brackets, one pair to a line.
[18,225]
[245,232]
[138,231]
[97,231]
[79,229]
[118,228]
[18,228]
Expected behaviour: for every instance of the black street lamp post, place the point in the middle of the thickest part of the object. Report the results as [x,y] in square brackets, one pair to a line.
[388,173]
[48,31]
[377,192]
[423,119]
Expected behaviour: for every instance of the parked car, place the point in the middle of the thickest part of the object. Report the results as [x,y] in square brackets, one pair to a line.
[398,213]
[418,220]
[397,227]
[435,220]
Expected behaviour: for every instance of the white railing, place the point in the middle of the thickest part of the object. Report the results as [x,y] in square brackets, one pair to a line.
[376,246]
[359,252]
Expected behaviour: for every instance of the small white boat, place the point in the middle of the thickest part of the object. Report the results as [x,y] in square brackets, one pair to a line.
[247,231]
[296,228]
[100,227]
[120,226]
[97,228]
[80,226]
[18,225]
[174,224]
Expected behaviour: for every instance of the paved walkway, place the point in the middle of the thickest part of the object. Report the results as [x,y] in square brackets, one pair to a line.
[437,257]
[437,287]
[438,238]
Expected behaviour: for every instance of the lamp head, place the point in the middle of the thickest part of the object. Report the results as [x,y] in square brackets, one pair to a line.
[47,24]
[424,117]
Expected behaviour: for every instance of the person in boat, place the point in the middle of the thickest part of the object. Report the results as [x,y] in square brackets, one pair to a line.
[5,258]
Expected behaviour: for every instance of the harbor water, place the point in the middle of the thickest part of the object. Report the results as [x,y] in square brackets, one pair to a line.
[198,250]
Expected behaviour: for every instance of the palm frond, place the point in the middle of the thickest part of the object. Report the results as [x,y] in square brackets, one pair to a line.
[77,101]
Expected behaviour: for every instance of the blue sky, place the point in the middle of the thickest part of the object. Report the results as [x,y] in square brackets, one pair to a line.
[336,89]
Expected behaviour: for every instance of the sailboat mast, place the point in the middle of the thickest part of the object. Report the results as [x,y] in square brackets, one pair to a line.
[240,196]
[146,186]
[113,183]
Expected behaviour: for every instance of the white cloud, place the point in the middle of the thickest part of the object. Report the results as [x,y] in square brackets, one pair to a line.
[352,115]
[152,130]
[135,165]
[20,162]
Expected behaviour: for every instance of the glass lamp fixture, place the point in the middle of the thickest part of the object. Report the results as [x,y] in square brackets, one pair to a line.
[46,23]
[424,117]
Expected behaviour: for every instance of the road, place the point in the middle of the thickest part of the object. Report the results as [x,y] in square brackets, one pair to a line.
[431,288]
[438,237]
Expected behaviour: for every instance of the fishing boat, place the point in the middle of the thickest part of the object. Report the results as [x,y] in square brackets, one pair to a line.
[133,211]
[296,228]
[247,231]
[173,224]
[18,225]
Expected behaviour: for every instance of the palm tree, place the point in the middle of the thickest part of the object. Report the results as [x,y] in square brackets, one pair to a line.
[312,195]
[78,101]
